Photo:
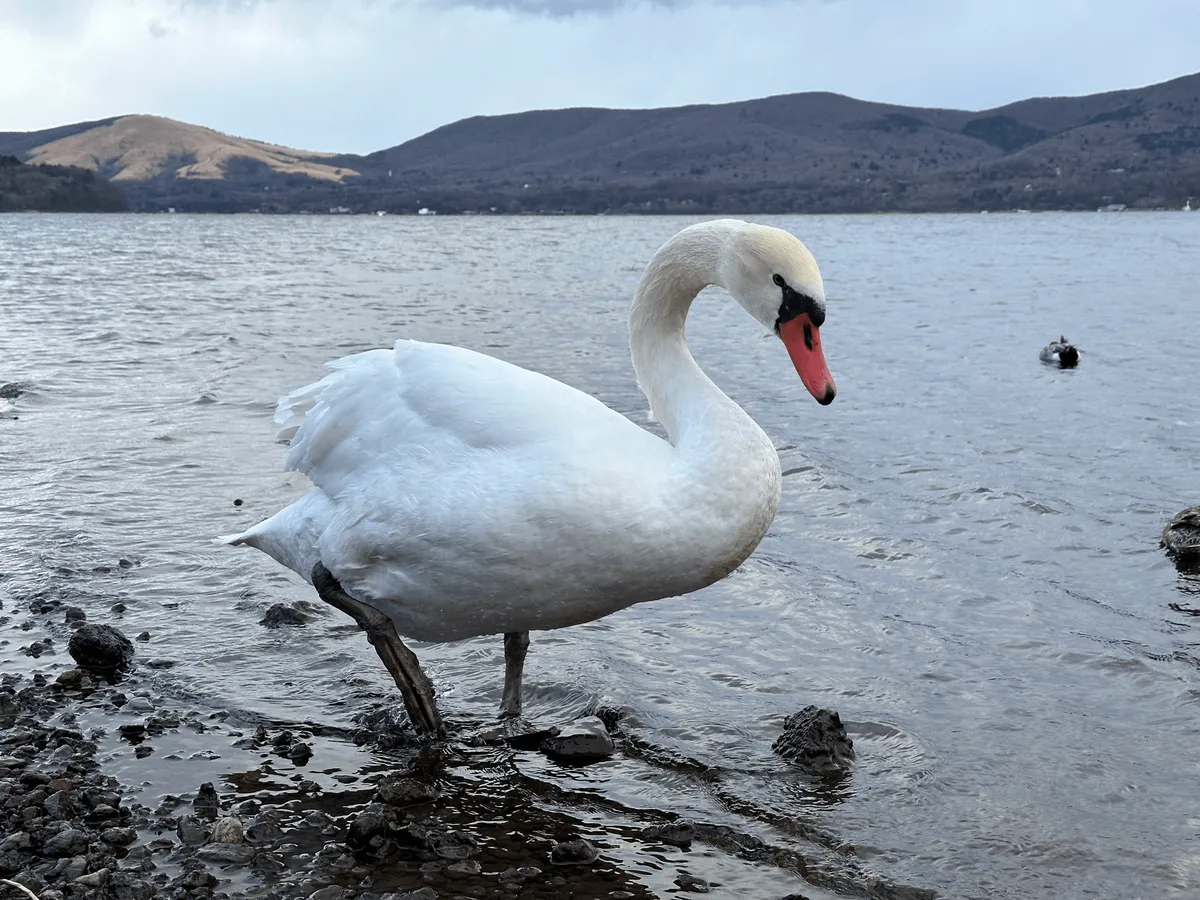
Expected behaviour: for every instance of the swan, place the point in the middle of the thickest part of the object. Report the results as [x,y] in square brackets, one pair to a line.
[458,495]
[1060,353]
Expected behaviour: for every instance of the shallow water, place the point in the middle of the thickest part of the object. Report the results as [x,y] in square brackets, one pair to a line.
[964,564]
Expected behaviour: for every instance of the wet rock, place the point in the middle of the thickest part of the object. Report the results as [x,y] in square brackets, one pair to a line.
[120,837]
[143,637]
[300,753]
[584,740]
[280,614]
[815,740]
[692,883]
[401,791]
[59,806]
[425,893]
[678,834]
[118,608]
[263,829]
[464,867]
[95,881]
[226,854]
[74,614]
[207,803]
[332,892]
[368,833]
[517,876]
[72,678]
[126,886]
[573,853]
[191,831]
[100,647]
[68,842]
[228,831]
[142,751]
[451,844]
[11,390]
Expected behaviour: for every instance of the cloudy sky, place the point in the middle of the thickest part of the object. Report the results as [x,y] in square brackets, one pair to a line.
[361,75]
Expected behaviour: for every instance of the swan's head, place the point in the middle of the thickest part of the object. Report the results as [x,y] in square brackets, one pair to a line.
[774,277]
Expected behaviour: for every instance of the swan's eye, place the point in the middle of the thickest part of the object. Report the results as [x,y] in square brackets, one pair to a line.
[778,279]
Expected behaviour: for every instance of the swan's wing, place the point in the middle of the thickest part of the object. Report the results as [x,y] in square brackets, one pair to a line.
[420,405]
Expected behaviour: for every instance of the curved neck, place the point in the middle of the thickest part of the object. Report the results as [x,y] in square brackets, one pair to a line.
[681,396]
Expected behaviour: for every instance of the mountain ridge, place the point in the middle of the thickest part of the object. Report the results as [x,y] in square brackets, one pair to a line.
[807,152]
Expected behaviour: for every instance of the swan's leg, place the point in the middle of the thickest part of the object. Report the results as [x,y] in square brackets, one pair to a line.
[415,686]
[516,644]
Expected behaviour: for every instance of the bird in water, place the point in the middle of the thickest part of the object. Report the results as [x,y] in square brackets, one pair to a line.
[458,495]
[1060,353]
[1181,536]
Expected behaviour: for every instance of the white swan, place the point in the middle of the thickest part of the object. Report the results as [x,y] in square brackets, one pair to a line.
[460,495]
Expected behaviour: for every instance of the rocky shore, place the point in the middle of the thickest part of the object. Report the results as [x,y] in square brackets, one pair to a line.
[89,737]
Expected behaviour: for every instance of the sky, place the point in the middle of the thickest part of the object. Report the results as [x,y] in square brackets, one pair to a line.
[361,75]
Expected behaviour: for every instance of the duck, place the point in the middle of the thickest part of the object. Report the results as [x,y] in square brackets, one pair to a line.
[1060,353]
[456,495]
[1181,535]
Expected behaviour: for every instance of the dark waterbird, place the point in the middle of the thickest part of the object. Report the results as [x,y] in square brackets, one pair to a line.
[1060,353]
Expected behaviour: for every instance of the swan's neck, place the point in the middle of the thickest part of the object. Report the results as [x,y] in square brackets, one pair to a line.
[682,398]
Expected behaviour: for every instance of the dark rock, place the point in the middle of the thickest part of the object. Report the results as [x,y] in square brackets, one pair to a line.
[368,833]
[226,854]
[816,741]
[207,803]
[584,740]
[689,882]
[68,842]
[118,608]
[678,834]
[143,751]
[59,806]
[74,614]
[300,753]
[262,830]
[400,791]
[573,853]
[450,844]
[11,390]
[143,637]
[95,881]
[100,647]
[191,831]
[280,615]
[121,837]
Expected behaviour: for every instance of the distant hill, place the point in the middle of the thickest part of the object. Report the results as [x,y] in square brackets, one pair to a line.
[812,152]
[30,188]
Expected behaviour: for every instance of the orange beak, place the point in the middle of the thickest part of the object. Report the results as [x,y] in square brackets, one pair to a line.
[803,341]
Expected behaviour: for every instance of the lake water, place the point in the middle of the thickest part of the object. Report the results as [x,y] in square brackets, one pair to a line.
[965,563]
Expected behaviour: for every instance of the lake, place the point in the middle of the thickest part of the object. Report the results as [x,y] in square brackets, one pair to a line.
[965,564]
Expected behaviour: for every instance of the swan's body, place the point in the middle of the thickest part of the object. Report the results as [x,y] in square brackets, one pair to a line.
[442,502]
[1060,353]
[461,495]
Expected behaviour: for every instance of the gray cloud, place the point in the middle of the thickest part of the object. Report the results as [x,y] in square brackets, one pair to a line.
[360,75]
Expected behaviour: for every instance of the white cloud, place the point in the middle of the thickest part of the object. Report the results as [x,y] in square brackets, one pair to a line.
[361,75]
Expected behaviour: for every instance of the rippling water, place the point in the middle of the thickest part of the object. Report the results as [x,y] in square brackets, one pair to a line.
[964,564]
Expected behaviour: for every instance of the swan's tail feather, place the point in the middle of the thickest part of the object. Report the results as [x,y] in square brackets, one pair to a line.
[233,540]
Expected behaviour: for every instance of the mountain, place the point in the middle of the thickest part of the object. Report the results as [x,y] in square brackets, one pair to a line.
[812,152]
[25,188]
